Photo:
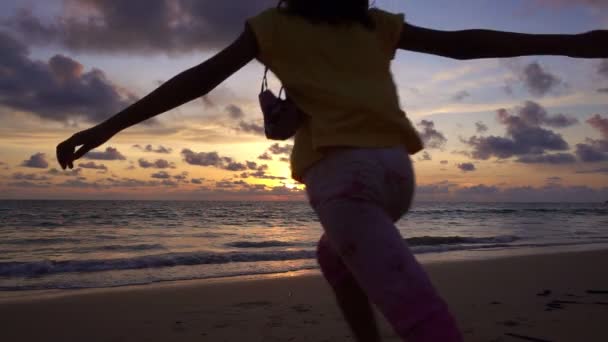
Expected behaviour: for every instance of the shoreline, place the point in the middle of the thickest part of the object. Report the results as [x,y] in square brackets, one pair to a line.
[425,259]
[544,296]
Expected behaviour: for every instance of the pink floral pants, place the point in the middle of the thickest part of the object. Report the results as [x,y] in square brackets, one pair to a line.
[358,194]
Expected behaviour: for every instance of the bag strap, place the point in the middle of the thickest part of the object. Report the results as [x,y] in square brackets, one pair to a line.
[265,78]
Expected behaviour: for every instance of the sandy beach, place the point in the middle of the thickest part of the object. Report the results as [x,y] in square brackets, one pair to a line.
[551,297]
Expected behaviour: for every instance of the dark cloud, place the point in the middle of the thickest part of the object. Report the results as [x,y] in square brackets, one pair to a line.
[425,156]
[264,156]
[602,170]
[461,95]
[553,179]
[431,137]
[59,89]
[67,173]
[534,114]
[158,164]
[213,159]
[477,190]
[37,161]
[182,177]
[150,148]
[251,127]
[277,149]
[79,183]
[556,158]
[28,184]
[235,112]
[140,26]
[93,165]
[260,174]
[591,153]
[110,153]
[480,127]
[160,175]
[467,167]
[602,68]
[524,134]
[538,81]
[443,187]
[590,3]
[129,183]
[602,90]
[197,180]
[444,162]
[595,150]
[599,123]
[29,177]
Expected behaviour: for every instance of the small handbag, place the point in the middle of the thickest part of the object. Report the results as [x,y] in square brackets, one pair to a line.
[281,116]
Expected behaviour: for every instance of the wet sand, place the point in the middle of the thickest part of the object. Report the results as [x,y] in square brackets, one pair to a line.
[555,297]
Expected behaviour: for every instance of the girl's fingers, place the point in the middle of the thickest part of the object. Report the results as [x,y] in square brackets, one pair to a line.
[82,151]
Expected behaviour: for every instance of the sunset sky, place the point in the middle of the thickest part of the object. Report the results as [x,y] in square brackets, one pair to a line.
[519,129]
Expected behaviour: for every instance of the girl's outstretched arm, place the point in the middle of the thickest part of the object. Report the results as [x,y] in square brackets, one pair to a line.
[471,44]
[184,87]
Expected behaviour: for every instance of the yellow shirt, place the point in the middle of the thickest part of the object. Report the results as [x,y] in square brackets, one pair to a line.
[339,75]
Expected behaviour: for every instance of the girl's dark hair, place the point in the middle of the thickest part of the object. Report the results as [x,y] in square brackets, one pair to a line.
[331,11]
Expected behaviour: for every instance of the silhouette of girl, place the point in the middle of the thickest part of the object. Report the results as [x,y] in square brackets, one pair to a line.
[351,151]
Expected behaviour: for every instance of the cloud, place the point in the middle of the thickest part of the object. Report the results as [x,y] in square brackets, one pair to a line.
[260,174]
[264,156]
[158,164]
[57,90]
[590,3]
[557,158]
[235,111]
[65,173]
[466,167]
[480,127]
[93,165]
[477,190]
[602,68]
[431,137]
[168,26]
[524,134]
[599,123]
[79,183]
[538,81]
[461,95]
[591,153]
[595,150]
[161,175]
[425,156]
[197,180]
[277,149]
[110,153]
[602,90]
[37,161]
[602,170]
[251,127]
[534,114]
[148,148]
[444,162]
[213,159]
[29,177]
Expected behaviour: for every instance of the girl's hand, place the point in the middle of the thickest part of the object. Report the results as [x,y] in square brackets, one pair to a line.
[89,139]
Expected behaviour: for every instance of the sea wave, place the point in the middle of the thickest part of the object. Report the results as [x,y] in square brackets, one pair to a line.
[260,244]
[45,267]
[562,211]
[456,240]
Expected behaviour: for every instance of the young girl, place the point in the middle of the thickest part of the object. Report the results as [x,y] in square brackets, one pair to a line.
[351,151]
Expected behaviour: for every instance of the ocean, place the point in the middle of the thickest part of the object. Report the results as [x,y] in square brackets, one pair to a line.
[92,244]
